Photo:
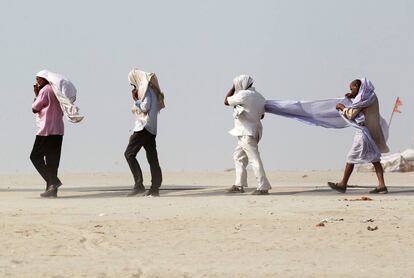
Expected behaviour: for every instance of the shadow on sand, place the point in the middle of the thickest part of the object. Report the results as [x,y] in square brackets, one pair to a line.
[210,191]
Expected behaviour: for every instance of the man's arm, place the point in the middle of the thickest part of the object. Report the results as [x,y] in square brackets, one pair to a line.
[145,104]
[40,101]
[229,94]
[349,113]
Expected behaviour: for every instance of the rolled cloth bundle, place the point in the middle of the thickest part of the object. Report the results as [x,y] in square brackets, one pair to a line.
[65,92]
[141,80]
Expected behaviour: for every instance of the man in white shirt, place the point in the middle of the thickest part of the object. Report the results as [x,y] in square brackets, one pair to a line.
[148,101]
[248,106]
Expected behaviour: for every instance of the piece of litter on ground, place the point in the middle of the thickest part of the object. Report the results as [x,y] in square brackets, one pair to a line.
[367,220]
[238,227]
[369,228]
[328,220]
[363,198]
[304,176]
[98,226]
[331,219]
[102,214]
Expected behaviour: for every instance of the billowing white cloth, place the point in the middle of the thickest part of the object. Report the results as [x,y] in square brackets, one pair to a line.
[247,151]
[65,92]
[323,113]
[317,112]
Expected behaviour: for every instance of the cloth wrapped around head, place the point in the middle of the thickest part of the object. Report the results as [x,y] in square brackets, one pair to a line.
[65,91]
[366,94]
[141,80]
[242,82]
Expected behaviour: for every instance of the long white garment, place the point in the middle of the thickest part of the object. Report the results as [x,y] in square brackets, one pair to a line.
[247,151]
[248,109]
[65,92]
[323,113]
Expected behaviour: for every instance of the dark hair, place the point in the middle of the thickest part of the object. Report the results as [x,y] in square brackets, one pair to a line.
[357,82]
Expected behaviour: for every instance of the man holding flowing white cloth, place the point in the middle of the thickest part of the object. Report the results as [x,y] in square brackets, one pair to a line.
[358,109]
[369,141]
[249,109]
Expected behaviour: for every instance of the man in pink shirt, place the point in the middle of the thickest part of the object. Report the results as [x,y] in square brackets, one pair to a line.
[45,155]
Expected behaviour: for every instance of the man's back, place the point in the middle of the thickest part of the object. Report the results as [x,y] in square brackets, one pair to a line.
[248,122]
[253,104]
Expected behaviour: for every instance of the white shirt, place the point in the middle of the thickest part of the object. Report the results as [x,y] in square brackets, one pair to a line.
[148,105]
[248,121]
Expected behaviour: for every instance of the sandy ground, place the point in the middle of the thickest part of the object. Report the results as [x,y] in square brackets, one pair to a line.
[196,230]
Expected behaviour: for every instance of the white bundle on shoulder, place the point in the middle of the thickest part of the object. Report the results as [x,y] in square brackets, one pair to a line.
[65,92]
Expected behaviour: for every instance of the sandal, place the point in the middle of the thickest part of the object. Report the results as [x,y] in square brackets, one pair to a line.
[235,189]
[335,186]
[381,190]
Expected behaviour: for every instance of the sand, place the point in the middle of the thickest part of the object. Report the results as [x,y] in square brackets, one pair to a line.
[196,230]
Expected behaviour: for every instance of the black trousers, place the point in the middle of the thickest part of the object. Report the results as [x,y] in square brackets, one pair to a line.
[138,140]
[45,157]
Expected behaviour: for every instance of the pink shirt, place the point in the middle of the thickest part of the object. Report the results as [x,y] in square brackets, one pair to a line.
[49,118]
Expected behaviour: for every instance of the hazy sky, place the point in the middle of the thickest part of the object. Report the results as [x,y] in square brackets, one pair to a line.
[293,49]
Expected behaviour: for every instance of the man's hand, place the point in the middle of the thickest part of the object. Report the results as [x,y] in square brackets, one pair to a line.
[229,94]
[340,106]
[349,95]
[36,89]
[135,94]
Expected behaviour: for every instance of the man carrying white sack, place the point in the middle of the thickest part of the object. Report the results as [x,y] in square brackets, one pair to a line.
[54,97]
[148,101]
[249,109]
[369,141]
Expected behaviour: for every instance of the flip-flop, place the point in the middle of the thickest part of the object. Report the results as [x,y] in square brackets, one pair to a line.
[382,190]
[335,186]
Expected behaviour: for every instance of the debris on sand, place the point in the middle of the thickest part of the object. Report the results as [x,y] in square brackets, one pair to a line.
[367,220]
[363,198]
[328,220]
[238,227]
[369,228]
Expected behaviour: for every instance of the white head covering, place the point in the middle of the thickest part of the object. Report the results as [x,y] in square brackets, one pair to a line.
[65,92]
[366,91]
[242,82]
[43,74]
[141,80]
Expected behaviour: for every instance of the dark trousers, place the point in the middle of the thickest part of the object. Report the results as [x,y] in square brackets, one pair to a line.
[144,139]
[45,157]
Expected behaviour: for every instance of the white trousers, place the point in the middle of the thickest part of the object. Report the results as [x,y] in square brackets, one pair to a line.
[247,151]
